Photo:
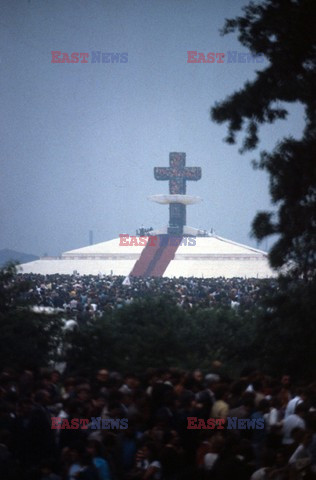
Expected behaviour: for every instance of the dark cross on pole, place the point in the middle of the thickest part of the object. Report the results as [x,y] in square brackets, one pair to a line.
[177,174]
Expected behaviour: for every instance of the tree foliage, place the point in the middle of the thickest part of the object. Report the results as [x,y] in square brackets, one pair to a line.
[286,330]
[284,31]
[276,335]
[155,332]
[147,333]
[27,339]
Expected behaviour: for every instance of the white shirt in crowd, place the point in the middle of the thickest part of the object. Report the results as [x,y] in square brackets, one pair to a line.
[291,406]
[209,460]
[291,422]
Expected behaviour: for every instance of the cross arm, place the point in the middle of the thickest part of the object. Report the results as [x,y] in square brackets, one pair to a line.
[192,173]
[162,173]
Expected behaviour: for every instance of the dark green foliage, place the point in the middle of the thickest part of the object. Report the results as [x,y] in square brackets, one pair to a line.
[89,347]
[27,339]
[7,285]
[158,333]
[284,31]
[147,333]
[226,335]
[286,330]
[276,335]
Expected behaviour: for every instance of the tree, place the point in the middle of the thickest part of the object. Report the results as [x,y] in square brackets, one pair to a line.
[286,331]
[155,332]
[150,332]
[227,335]
[27,339]
[284,31]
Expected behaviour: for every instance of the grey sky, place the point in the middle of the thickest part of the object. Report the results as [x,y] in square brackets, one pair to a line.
[79,141]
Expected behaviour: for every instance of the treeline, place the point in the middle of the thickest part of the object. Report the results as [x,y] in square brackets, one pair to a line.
[276,336]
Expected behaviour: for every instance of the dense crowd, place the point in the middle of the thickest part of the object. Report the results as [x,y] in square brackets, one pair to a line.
[156,406]
[157,444]
[98,294]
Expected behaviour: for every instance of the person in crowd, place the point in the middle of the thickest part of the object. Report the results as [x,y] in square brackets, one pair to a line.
[94,449]
[295,420]
[220,408]
[205,398]
[258,436]
[300,397]
[148,467]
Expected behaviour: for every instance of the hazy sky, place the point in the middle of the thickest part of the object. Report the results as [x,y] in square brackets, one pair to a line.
[80,141]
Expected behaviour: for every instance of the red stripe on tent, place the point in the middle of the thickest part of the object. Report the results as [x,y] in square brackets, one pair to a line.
[154,260]
[167,255]
[144,260]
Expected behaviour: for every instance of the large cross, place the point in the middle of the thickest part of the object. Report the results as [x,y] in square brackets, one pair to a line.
[177,174]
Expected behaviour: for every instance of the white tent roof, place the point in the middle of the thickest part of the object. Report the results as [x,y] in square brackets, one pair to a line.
[210,257]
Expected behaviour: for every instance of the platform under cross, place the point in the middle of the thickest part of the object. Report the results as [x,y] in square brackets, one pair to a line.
[177,175]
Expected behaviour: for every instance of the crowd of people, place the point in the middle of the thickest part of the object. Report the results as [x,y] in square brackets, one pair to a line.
[157,443]
[99,294]
[155,407]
